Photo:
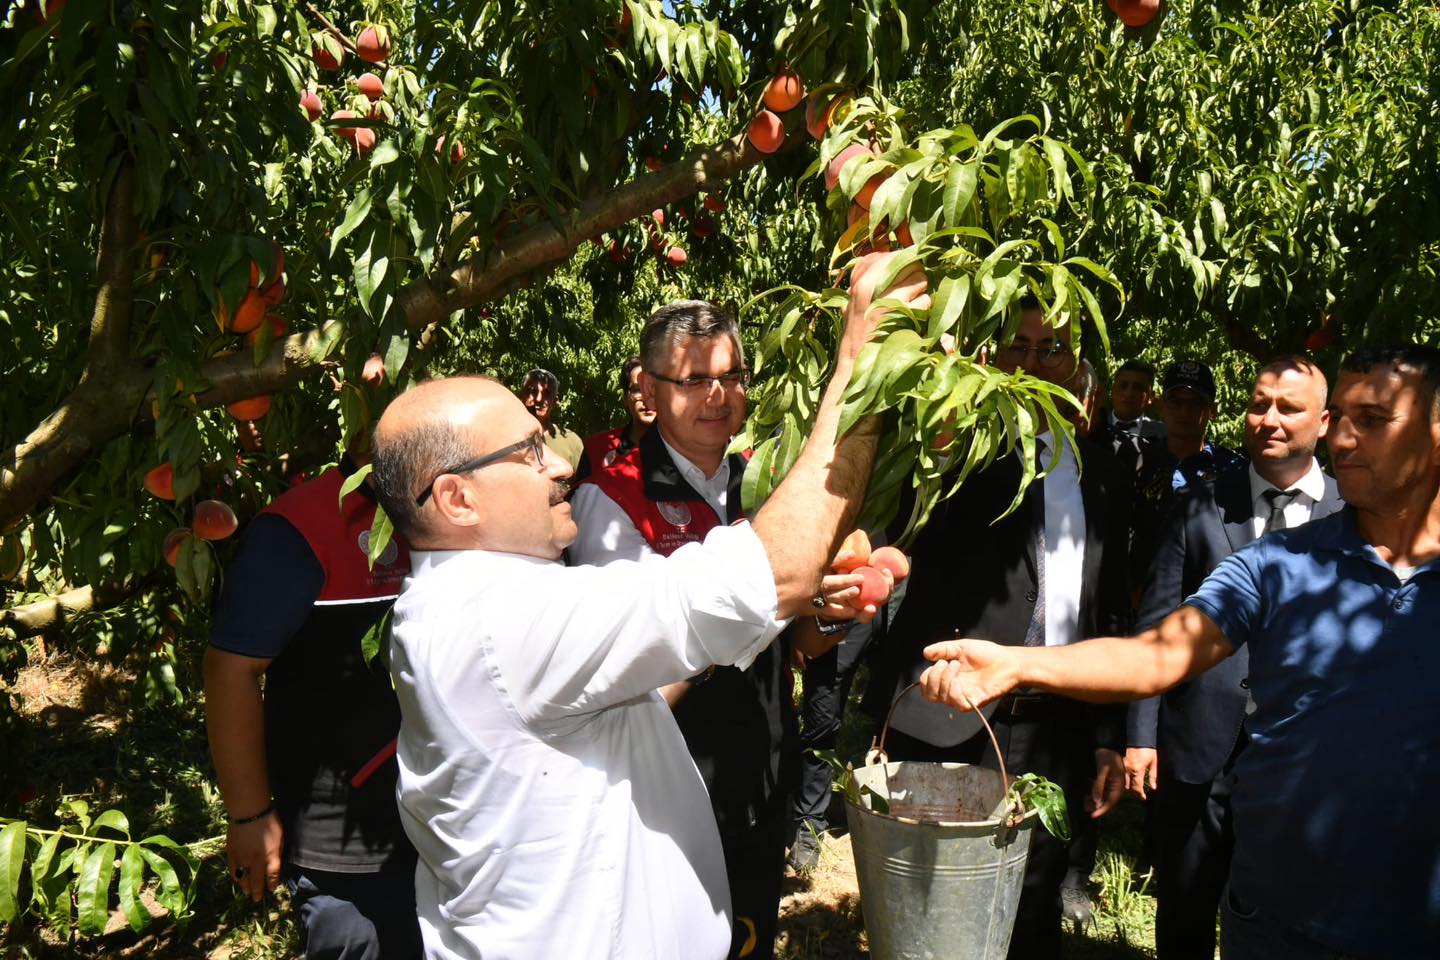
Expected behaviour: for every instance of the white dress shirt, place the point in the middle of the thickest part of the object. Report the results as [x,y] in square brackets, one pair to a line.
[1064,547]
[606,530]
[543,781]
[1313,487]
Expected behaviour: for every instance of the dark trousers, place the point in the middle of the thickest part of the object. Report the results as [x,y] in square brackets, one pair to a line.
[355,916]
[755,865]
[1248,934]
[1053,742]
[827,688]
[1194,839]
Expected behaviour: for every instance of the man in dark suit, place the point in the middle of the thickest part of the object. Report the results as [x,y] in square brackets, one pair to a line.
[1040,576]
[1182,743]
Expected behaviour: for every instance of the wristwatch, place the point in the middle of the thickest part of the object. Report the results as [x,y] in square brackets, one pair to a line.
[828,628]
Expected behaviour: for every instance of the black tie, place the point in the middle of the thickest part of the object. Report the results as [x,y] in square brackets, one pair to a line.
[1035,633]
[1279,500]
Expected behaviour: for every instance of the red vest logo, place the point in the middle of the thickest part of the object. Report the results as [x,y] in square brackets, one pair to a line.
[387,557]
[675,512]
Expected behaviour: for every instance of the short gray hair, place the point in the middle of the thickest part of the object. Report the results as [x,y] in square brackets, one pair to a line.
[681,320]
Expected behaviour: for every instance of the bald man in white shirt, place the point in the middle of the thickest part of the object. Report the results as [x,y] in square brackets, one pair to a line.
[543,780]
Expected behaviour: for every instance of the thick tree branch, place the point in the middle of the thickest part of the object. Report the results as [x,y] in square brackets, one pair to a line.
[114,275]
[52,613]
[478,279]
[102,408]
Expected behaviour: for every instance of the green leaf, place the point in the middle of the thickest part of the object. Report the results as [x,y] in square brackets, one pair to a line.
[960,183]
[171,894]
[132,879]
[113,819]
[358,210]
[42,882]
[352,483]
[381,532]
[386,152]
[374,640]
[92,893]
[12,859]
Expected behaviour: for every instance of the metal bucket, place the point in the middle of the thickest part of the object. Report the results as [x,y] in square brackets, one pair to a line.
[940,874]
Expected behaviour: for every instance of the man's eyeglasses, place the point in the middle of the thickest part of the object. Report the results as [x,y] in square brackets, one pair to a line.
[1048,356]
[733,380]
[534,444]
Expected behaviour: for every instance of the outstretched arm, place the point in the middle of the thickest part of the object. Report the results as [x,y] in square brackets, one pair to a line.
[968,673]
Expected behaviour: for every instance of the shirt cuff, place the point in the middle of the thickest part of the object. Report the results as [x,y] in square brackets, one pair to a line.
[744,589]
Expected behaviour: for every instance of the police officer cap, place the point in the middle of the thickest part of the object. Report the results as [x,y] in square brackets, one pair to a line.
[1190,375]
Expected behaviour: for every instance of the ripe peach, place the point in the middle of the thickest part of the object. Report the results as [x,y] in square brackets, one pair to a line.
[310,103]
[617,252]
[251,408]
[874,589]
[653,164]
[370,85]
[867,192]
[457,150]
[832,171]
[784,92]
[766,132]
[364,140]
[326,60]
[676,256]
[714,204]
[658,216]
[344,133]
[214,520]
[888,558]
[374,373]
[371,46]
[160,482]
[173,541]
[821,111]
[1135,13]
[854,552]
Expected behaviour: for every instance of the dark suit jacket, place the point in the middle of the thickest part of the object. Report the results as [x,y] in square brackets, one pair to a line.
[974,577]
[1194,725]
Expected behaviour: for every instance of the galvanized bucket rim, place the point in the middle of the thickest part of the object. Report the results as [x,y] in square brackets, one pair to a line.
[1000,824]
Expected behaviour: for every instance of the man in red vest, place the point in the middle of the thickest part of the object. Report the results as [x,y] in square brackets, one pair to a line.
[676,486]
[302,723]
[602,448]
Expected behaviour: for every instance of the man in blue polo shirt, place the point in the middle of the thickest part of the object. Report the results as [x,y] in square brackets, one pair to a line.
[1336,852]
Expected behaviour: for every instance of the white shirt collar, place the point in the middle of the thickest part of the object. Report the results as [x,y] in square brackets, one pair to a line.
[694,474]
[1312,484]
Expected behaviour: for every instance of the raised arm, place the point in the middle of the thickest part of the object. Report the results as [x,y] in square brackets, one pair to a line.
[802,523]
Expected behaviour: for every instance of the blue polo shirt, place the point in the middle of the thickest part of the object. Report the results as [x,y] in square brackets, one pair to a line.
[1337,798]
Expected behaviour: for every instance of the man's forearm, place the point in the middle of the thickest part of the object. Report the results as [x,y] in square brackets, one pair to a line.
[816,504]
[1109,669]
[235,721]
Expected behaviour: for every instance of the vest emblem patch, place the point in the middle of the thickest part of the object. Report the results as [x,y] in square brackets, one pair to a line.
[387,557]
[675,512]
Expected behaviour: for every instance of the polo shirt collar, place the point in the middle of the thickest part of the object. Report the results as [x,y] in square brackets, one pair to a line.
[1343,536]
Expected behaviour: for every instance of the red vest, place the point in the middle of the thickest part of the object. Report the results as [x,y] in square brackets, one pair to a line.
[667,525]
[600,448]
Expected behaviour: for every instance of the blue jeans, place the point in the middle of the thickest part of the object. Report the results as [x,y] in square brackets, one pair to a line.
[1248,934]
[355,916]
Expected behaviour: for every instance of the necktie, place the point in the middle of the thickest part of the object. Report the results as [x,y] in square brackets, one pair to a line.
[1279,500]
[1035,633]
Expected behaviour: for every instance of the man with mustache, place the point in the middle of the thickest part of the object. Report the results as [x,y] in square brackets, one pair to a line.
[543,779]
[1333,795]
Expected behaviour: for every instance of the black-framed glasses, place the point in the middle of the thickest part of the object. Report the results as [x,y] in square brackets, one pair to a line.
[732,380]
[1048,356]
[534,444]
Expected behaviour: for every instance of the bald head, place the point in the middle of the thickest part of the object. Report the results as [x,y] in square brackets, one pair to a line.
[428,429]
[477,456]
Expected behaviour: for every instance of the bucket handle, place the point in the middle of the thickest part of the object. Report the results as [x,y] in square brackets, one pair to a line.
[876,753]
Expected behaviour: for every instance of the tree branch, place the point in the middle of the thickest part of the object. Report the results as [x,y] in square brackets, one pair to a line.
[52,613]
[102,408]
[114,274]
